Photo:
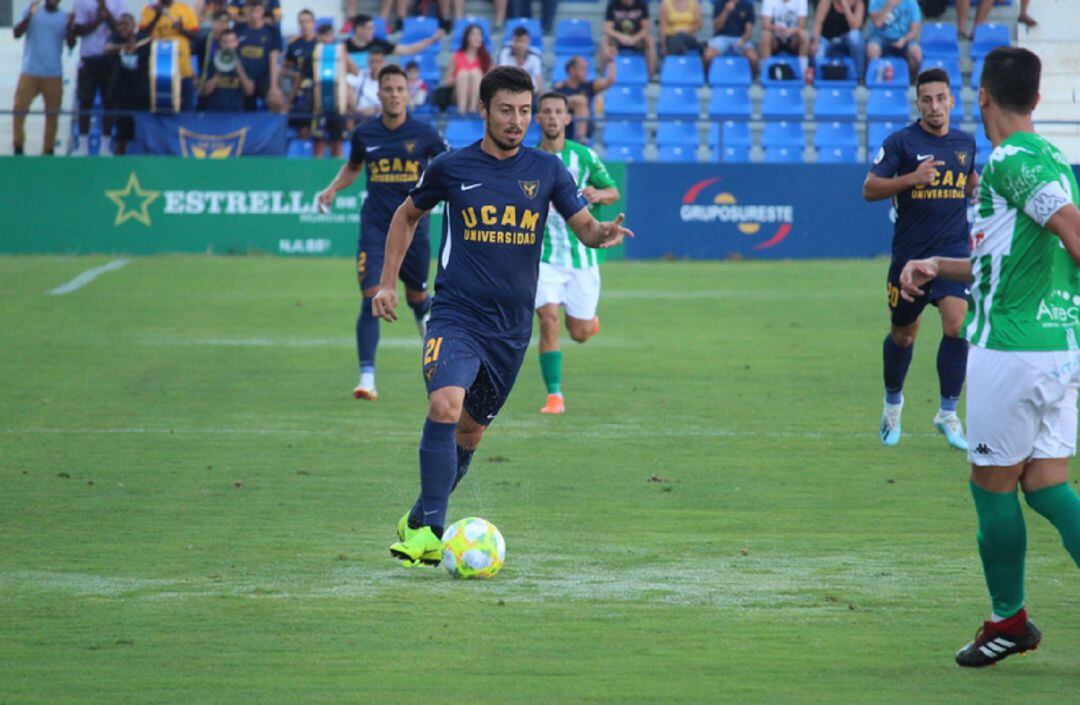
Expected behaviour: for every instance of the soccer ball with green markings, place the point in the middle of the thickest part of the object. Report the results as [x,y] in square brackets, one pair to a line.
[473,548]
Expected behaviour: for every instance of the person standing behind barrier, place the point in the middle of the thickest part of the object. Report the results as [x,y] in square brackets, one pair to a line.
[260,52]
[580,91]
[95,20]
[42,73]
[129,88]
[228,87]
[172,19]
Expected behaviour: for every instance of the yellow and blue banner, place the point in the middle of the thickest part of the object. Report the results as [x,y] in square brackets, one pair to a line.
[211,135]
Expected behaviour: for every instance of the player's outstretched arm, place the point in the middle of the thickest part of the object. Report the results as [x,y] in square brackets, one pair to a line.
[876,188]
[398,239]
[1066,225]
[595,234]
[345,178]
[918,272]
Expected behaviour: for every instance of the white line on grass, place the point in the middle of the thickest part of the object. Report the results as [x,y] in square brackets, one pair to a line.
[87,277]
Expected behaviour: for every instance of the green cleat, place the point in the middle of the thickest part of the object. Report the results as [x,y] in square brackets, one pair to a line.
[404,533]
[422,547]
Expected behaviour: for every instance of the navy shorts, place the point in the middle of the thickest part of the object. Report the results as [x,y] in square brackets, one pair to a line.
[485,367]
[904,312]
[369,261]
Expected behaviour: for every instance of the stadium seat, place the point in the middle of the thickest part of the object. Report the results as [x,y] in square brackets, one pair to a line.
[463,131]
[783,155]
[413,29]
[459,29]
[939,40]
[574,37]
[987,37]
[887,104]
[838,155]
[682,71]
[766,72]
[976,74]
[835,104]
[631,70]
[951,67]
[836,134]
[956,115]
[675,153]
[820,70]
[782,103]
[876,132]
[729,71]
[677,133]
[729,102]
[875,73]
[625,101]
[299,149]
[677,101]
[982,148]
[536,35]
[429,68]
[618,132]
[735,134]
[625,153]
[783,134]
[734,154]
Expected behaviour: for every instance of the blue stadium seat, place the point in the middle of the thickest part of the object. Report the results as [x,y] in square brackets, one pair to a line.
[956,115]
[835,104]
[574,37]
[876,132]
[734,154]
[675,153]
[976,113]
[888,104]
[631,70]
[982,148]
[299,149]
[625,153]
[875,73]
[836,134]
[682,71]
[677,101]
[782,103]
[851,81]
[532,135]
[461,132]
[783,134]
[536,35]
[729,102]
[429,68]
[792,61]
[625,101]
[735,134]
[459,29]
[677,132]
[939,40]
[987,37]
[729,71]
[951,66]
[413,29]
[976,74]
[838,155]
[783,155]
[624,132]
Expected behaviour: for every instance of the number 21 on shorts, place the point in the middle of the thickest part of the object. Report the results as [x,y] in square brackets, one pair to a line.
[431,349]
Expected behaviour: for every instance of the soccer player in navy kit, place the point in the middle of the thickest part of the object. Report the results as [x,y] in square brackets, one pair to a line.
[497,196]
[396,149]
[928,169]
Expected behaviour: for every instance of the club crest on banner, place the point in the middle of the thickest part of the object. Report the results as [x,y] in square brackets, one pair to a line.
[199,146]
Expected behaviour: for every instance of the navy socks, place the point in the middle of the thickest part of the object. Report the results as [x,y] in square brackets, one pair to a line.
[896,360]
[951,367]
[438,468]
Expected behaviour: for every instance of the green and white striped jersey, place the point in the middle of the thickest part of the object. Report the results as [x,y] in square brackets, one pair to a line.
[1026,288]
[561,246]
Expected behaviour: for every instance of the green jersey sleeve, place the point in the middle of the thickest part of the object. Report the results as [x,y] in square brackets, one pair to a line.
[599,176]
[1029,180]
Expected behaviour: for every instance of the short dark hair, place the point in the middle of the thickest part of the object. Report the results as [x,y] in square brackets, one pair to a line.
[252,3]
[521,32]
[361,19]
[221,15]
[412,65]
[307,12]
[391,70]
[571,63]
[553,95]
[934,75]
[376,50]
[504,78]
[1011,76]
[230,30]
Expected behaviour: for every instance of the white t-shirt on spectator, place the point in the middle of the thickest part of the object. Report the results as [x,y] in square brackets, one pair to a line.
[784,13]
[85,11]
[533,64]
[367,92]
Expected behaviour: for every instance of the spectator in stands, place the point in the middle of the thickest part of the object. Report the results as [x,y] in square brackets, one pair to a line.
[329,126]
[364,87]
[418,87]
[580,92]
[46,30]
[519,52]
[733,24]
[203,50]
[523,8]
[363,39]
[894,29]
[783,30]
[838,30]
[238,11]
[228,86]
[467,66]
[626,28]
[172,19]
[297,70]
[680,22]
[981,13]
[95,20]
[458,8]
[1024,16]
[260,53]
[129,88]
[400,7]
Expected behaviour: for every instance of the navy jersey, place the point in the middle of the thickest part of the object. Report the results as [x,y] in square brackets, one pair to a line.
[930,219]
[255,48]
[298,56]
[394,159]
[492,234]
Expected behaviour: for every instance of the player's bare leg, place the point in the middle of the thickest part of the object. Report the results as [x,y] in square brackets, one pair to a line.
[951,367]
[367,340]
[896,359]
[420,303]
[551,358]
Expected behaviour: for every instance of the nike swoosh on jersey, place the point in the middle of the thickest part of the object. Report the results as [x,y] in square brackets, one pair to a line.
[923,157]
[372,149]
[470,187]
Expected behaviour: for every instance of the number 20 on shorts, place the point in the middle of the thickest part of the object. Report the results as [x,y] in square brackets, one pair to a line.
[431,350]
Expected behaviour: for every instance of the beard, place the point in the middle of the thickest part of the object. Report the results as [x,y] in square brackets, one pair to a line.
[504,146]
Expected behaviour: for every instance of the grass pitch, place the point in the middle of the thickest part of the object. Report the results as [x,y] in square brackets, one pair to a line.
[195,510]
